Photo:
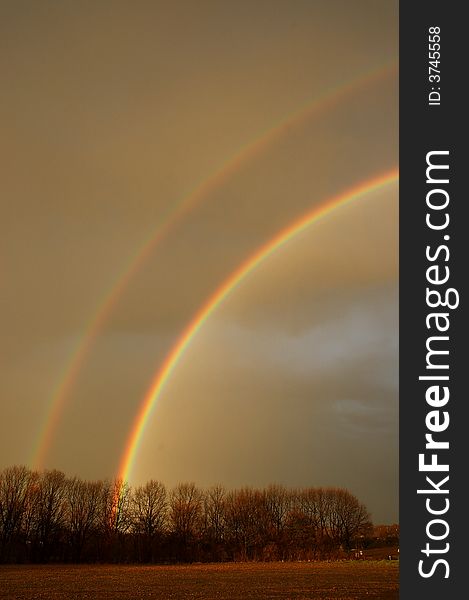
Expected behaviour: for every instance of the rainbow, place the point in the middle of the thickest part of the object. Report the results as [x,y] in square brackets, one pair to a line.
[94,325]
[206,310]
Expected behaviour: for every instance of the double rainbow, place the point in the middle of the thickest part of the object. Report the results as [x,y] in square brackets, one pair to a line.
[94,325]
[229,285]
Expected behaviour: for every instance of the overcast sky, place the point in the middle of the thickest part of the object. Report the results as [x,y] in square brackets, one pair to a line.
[111,114]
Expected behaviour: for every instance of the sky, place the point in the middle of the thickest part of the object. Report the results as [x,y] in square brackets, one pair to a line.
[207,127]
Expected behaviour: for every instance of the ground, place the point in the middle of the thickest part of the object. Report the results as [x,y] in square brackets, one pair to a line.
[346,580]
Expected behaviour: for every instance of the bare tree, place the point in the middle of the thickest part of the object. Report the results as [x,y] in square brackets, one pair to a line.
[114,519]
[149,516]
[15,490]
[300,540]
[214,513]
[82,505]
[149,508]
[348,518]
[213,529]
[116,501]
[50,513]
[185,515]
[278,502]
[45,516]
[247,522]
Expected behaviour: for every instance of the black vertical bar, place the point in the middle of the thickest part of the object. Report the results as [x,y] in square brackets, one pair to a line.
[427,127]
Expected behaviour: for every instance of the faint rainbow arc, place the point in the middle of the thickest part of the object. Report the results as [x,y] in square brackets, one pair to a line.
[248,266]
[133,265]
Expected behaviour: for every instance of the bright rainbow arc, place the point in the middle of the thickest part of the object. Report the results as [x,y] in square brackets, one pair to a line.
[190,201]
[206,310]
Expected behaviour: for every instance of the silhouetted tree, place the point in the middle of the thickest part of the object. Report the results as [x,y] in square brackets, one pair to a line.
[185,516]
[50,515]
[247,522]
[149,515]
[82,506]
[45,516]
[114,519]
[15,490]
[278,503]
[348,518]
[214,525]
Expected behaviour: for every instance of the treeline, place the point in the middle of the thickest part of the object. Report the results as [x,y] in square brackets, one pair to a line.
[48,517]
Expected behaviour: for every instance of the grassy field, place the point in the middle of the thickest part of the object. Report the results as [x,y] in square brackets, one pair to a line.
[238,581]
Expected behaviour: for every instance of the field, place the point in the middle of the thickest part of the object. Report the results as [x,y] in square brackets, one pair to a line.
[347,580]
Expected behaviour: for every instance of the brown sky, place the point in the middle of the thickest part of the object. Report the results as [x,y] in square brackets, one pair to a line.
[110,113]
